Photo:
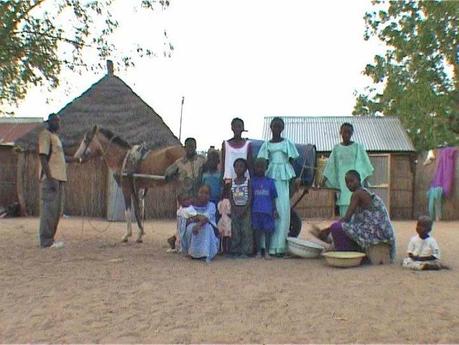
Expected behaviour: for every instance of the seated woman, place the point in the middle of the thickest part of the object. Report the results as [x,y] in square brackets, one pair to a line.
[199,239]
[365,223]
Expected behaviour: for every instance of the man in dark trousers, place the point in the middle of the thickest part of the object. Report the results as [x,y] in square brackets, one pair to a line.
[53,175]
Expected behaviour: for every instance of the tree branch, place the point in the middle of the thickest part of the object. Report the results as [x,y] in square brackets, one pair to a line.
[44,34]
[26,12]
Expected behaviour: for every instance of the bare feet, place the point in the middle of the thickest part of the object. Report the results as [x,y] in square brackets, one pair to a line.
[321,234]
[315,230]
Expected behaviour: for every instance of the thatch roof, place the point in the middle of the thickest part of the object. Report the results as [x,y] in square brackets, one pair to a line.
[109,103]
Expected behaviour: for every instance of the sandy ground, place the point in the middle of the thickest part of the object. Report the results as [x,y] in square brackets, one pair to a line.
[96,290]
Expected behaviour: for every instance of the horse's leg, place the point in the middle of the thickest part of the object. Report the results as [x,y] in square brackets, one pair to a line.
[141,196]
[127,214]
[142,209]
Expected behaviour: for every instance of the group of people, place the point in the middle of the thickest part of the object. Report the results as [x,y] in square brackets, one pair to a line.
[240,205]
[242,210]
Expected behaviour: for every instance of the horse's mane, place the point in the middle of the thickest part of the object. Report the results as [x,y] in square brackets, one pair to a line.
[114,138]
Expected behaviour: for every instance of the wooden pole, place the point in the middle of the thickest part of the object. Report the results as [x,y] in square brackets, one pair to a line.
[181,116]
[151,177]
[20,183]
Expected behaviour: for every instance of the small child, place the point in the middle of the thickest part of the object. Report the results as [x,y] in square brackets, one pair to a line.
[224,224]
[423,250]
[263,207]
[185,211]
[241,230]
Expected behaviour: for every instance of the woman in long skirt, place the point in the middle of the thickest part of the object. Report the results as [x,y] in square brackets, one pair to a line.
[280,152]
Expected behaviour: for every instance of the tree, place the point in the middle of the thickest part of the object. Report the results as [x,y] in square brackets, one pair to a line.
[417,78]
[40,38]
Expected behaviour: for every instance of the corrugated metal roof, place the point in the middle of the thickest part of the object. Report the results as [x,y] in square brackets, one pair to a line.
[12,128]
[375,133]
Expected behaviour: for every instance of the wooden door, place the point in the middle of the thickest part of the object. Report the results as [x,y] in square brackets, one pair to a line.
[379,182]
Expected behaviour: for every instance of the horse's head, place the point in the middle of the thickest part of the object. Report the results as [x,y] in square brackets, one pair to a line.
[89,146]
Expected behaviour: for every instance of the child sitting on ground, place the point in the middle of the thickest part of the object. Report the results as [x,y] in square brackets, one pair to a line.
[264,211]
[224,223]
[423,250]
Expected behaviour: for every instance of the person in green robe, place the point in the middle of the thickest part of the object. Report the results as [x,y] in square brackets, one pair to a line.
[345,156]
[280,153]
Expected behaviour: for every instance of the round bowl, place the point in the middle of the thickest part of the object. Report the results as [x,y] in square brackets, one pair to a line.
[303,248]
[343,259]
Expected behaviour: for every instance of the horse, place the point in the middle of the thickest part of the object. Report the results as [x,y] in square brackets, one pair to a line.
[115,150]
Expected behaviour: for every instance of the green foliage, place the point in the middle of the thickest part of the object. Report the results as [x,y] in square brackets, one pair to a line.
[417,78]
[40,38]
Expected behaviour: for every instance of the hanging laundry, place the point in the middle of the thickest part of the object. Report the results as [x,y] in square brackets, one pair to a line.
[434,197]
[444,174]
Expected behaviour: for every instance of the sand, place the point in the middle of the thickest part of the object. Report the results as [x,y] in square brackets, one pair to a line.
[96,290]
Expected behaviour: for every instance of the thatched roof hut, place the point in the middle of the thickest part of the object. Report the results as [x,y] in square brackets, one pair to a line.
[109,103]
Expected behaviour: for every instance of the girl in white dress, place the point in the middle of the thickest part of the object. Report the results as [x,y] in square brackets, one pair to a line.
[234,148]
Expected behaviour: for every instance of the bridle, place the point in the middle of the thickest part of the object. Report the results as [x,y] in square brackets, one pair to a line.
[87,140]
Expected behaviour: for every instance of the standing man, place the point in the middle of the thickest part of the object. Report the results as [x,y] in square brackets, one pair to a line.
[188,171]
[53,175]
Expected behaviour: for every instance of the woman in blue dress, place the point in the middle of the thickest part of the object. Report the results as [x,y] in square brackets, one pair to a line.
[199,239]
[280,152]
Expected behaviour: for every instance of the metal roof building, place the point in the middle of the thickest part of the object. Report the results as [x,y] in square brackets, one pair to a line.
[12,128]
[375,133]
[390,150]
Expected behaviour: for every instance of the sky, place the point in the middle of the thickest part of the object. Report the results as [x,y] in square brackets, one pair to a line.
[235,58]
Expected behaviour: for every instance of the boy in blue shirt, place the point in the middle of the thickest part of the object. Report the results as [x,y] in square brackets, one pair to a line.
[264,196]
